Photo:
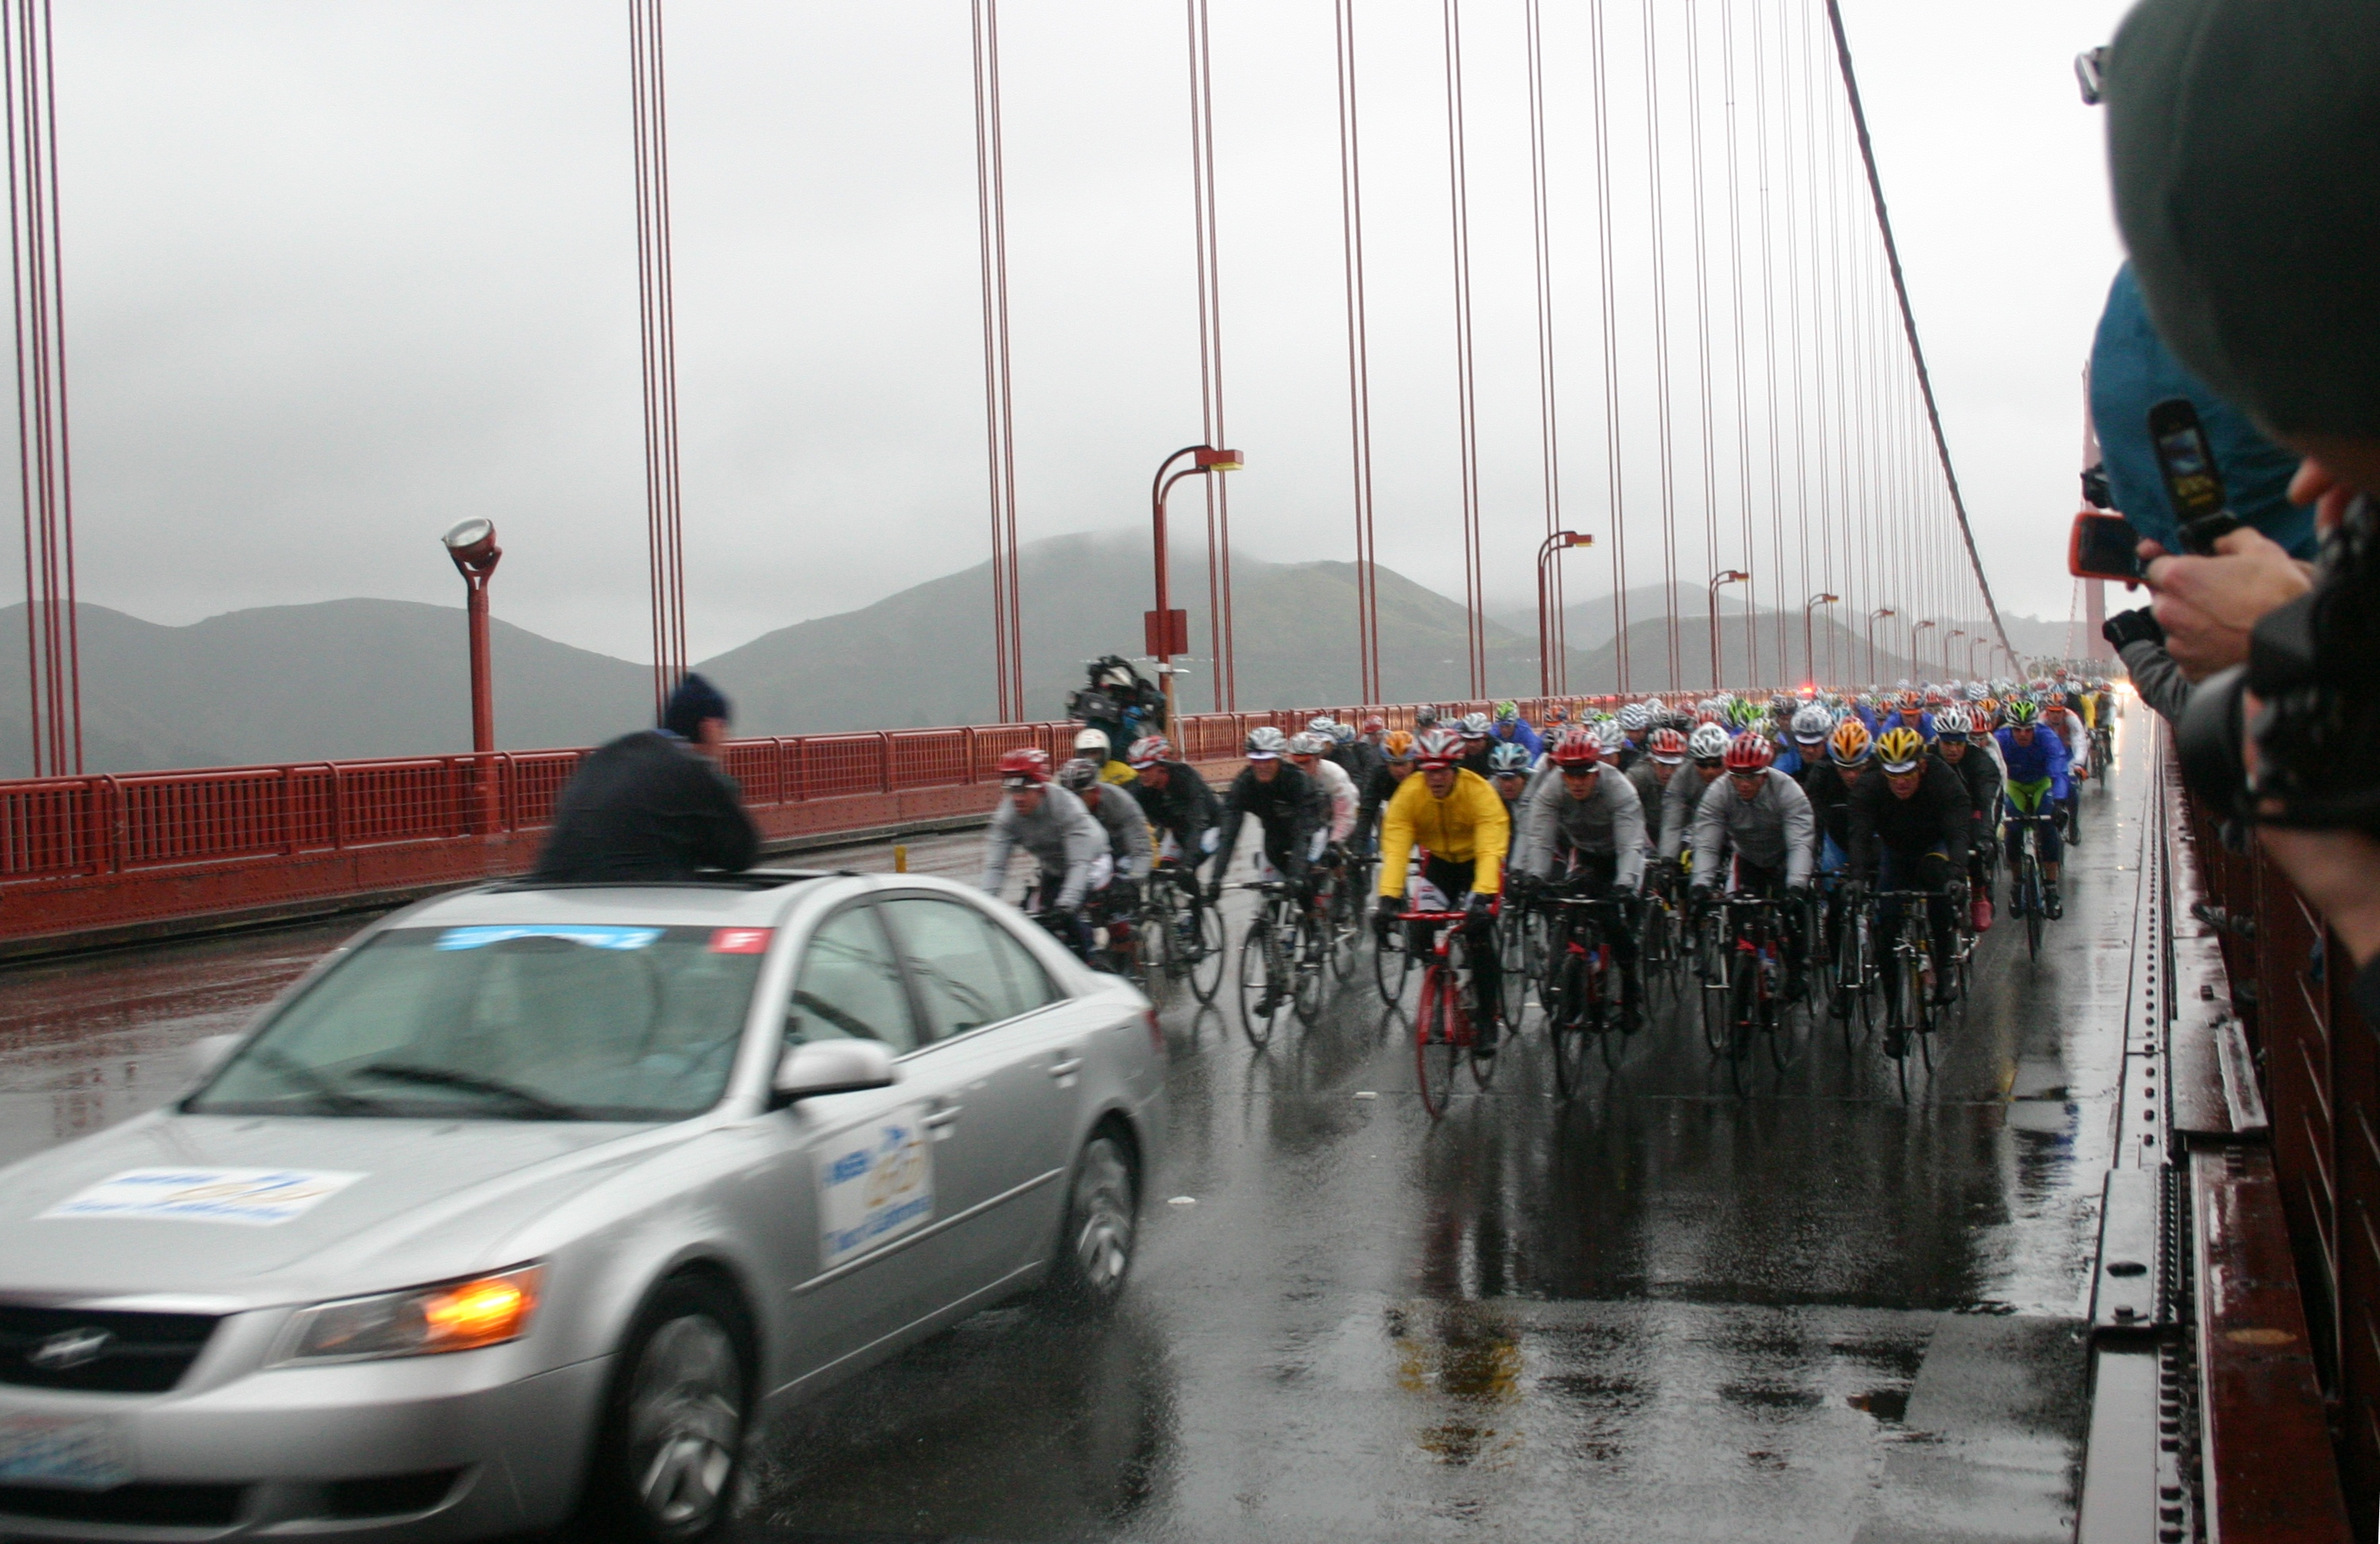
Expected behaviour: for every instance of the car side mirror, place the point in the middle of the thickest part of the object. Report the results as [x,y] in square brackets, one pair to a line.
[206,1055]
[831,1068]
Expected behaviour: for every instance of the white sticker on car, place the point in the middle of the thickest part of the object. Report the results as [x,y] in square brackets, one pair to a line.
[875,1181]
[254,1197]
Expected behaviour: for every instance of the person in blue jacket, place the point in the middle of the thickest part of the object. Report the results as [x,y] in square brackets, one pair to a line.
[2037,783]
[1513,729]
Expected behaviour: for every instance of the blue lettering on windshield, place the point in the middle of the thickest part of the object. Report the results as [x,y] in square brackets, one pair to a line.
[593,937]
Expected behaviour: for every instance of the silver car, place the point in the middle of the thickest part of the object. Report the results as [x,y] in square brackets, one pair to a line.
[529,1203]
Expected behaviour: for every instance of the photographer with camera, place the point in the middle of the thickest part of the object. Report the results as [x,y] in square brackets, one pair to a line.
[2241,144]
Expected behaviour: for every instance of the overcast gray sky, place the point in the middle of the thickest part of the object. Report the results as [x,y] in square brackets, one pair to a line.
[341,271]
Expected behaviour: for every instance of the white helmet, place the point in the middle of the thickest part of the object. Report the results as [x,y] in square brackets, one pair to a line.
[1092,745]
[1708,743]
[1634,717]
[1813,725]
[1954,724]
[1307,742]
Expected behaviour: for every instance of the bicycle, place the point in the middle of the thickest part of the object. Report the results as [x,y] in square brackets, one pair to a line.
[1444,1032]
[1910,1013]
[1521,947]
[1660,946]
[1281,961]
[2027,896]
[2103,752]
[1577,986]
[1851,972]
[1187,939]
[1749,997]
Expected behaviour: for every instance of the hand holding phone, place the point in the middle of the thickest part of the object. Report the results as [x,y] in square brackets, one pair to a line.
[2192,481]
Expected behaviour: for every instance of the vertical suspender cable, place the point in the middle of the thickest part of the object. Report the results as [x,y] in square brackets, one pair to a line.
[664,524]
[1614,492]
[1211,358]
[1359,363]
[1909,318]
[1552,646]
[1824,580]
[1833,578]
[53,653]
[991,231]
[1662,340]
[1466,399]
[1783,601]
[1702,324]
[1742,386]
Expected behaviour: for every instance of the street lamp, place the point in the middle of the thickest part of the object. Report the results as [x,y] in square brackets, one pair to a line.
[1954,633]
[1873,617]
[1916,652]
[1725,576]
[472,546]
[1546,550]
[1809,648]
[1168,630]
[1974,671]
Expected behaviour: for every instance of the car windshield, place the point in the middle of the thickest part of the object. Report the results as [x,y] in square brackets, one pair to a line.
[507,1022]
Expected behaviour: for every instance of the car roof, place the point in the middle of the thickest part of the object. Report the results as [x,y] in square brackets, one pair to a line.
[758,897]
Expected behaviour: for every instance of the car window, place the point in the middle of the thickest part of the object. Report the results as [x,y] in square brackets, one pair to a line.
[961,982]
[1028,983]
[849,986]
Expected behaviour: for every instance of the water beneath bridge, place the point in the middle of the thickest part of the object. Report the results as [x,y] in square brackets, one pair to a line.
[1662,1311]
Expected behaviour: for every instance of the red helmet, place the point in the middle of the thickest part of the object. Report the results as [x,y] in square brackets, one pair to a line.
[1750,752]
[1578,751]
[1028,766]
[1705,715]
[1375,724]
[1666,745]
[1439,748]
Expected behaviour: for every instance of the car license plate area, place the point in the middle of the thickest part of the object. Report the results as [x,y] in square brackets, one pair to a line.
[80,1453]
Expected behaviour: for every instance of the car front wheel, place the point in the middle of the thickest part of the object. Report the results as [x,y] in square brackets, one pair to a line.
[1095,1244]
[673,1427]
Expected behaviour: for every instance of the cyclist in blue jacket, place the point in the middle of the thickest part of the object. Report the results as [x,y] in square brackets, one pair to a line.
[2037,783]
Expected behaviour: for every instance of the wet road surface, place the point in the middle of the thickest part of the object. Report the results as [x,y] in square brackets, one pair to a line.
[1660,1311]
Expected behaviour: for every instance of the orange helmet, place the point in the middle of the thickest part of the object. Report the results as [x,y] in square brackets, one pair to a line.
[1849,743]
[1399,745]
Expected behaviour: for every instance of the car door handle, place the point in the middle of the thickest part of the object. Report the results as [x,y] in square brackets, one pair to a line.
[1067,1066]
[944,1116]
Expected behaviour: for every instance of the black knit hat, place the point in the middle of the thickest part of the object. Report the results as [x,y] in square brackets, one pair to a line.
[694,700]
[2243,137]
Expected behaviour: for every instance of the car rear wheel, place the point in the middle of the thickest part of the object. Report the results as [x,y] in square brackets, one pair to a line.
[674,1427]
[1095,1244]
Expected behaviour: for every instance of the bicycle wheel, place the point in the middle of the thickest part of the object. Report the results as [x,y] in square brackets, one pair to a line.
[1308,958]
[1776,1018]
[1911,993]
[1203,961]
[1259,1004]
[1714,1013]
[1512,951]
[1346,927]
[2029,882]
[1742,1018]
[1160,925]
[1570,1024]
[1657,956]
[1391,965]
[1435,1033]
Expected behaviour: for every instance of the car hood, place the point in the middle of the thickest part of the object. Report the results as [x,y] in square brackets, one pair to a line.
[360,1198]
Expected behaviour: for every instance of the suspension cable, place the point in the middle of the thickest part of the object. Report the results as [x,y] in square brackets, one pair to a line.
[1359,362]
[664,518]
[1467,403]
[991,229]
[1211,358]
[1661,342]
[1743,385]
[1553,654]
[1615,493]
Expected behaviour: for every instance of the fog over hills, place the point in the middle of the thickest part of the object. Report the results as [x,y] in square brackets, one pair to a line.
[344,679]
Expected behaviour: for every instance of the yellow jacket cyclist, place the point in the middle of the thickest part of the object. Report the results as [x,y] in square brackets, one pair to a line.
[1459,820]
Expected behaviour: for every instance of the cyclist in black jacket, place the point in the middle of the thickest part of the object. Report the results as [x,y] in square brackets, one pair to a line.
[1962,749]
[1284,801]
[1911,824]
[1397,762]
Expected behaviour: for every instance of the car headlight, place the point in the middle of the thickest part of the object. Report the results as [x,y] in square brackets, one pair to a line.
[419,1321]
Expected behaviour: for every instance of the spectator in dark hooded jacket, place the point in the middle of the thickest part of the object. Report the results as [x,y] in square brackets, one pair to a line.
[654,805]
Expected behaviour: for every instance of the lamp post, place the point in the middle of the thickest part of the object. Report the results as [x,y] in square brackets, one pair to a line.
[1168,630]
[1725,576]
[1954,633]
[1558,542]
[1809,633]
[472,546]
[1916,651]
[1873,617]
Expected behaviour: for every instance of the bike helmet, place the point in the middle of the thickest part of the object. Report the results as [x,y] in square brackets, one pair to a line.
[1266,744]
[2022,715]
[1078,774]
[1708,743]
[1148,750]
[1319,724]
[1399,745]
[1475,726]
[1577,750]
[1425,718]
[1952,723]
[1747,753]
[1507,711]
[1509,760]
[1342,733]
[1635,718]
[1028,767]
[1375,724]
[1899,750]
[1092,743]
[1666,746]
[1608,735]
[1439,748]
[1811,724]
[1780,707]
[1849,743]
[1977,691]
[1308,743]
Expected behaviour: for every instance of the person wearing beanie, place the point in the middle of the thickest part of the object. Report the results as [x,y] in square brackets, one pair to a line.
[654,805]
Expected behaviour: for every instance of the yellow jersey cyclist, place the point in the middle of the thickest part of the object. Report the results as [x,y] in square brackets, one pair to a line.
[1453,816]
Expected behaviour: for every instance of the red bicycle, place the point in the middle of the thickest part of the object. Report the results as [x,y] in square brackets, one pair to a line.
[1444,1033]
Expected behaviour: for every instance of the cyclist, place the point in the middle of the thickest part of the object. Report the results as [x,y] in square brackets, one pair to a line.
[1479,738]
[1091,745]
[1129,852]
[1829,788]
[1176,800]
[1912,821]
[1807,746]
[1591,829]
[1285,804]
[1453,815]
[1513,729]
[1957,750]
[1762,818]
[1508,769]
[2035,760]
[1064,837]
[1396,765]
[1356,754]
[1665,752]
[2058,715]
[1686,794]
[1311,754]
[1635,723]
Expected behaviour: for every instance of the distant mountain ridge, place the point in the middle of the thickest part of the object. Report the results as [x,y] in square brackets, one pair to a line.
[347,679]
